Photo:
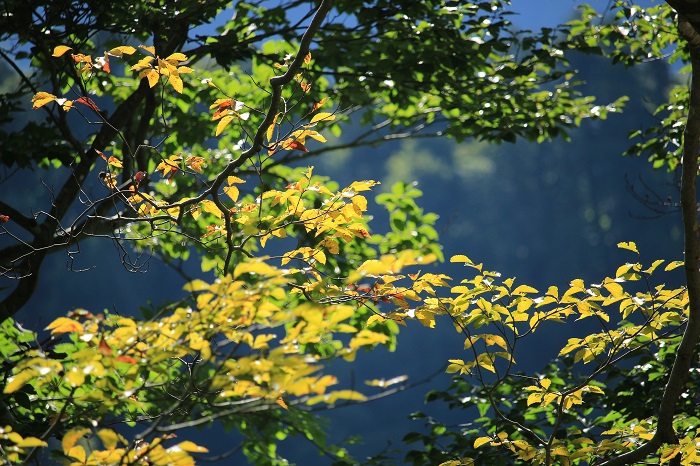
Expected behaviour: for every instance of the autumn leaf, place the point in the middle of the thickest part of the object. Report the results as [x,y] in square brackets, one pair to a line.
[65,325]
[145,62]
[102,63]
[122,50]
[4,219]
[176,82]
[149,48]
[293,144]
[307,59]
[127,359]
[87,101]
[319,104]
[42,98]
[223,123]
[176,57]
[60,50]
[151,75]
[172,164]
[195,163]
[323,116]
[104,348]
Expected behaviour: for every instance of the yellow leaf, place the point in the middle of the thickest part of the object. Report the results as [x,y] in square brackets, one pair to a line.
[232,192]
[281,402]
[669,452]
[144,63]
[271,129]
[109,438]
[320,256]
[115,162]
[176,57]
[18,381]
[375,318]
[496,340]
[323,116]
[42,98]
[223,123]
[176,82]
[71,437]
[148,48]
[673,265]
[59,50]
[122,50]
[307,58]
[524,289]
[65,325]
[191,446]
[77,452]
[374,267]
[481,441]
[631,246]
[31,442]
[152,75]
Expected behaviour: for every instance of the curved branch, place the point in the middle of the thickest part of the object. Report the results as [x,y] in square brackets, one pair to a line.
[684,355]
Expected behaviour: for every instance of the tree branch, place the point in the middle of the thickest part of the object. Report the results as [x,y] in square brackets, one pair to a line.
[684,355]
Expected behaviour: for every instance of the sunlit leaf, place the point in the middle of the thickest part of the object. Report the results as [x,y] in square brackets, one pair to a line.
[60,50]
[631,246]
[323,116]
[42,98]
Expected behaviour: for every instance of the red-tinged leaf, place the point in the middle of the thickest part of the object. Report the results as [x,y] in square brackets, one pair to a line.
[319,104]
[104,348]
[109,179]
[4,219]
[101,154]
[211,229]
[87,101]
[127,359]
[195,163]
[294,145]
[138,177]
[102,63]
[363,232]
[60,50]
[219,113]
[81,58]
[307,58]
[65,325]
[305,87]
[42,98]
[281,402]
[115,162]
[221,103]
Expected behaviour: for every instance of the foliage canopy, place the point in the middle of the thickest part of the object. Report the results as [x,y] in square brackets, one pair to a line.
[174,142]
